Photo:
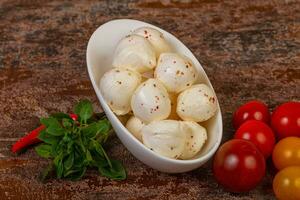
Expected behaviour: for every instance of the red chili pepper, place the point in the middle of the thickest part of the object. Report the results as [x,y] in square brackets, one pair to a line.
[32,137]
[29,139]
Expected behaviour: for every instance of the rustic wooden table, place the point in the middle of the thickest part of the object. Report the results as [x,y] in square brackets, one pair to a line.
[249,49]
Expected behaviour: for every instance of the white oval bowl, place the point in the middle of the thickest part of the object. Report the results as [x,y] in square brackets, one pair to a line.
[99,55]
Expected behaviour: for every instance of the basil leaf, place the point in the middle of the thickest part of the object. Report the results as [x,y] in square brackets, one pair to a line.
[71,171]
[104,131]
[84,110]
[94,128]
[55,131]
[80,143]
[98,129]
[96,146]
[59,170]
[44,150]
[49,139]
[69,161]
[60,148]
[98,160]
[67,123]
[70,147]
[88,156]
[59,116]
[57,159]
[91,130]
[66,139]
[104,126]
[75,174]
[116,172]
[50,121]
[105,155]
[53,126]
[78,157]
[58,165]
[54,150]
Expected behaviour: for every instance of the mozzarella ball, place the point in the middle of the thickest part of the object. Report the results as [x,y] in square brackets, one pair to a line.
[135,125]
[136,53]
[156,38]
[195,139]
[164,137]
[197,103]
[117,87]
[150,101]
[176,72]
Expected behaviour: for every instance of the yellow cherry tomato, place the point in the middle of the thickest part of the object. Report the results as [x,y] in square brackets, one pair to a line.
[286,184]
[287,153]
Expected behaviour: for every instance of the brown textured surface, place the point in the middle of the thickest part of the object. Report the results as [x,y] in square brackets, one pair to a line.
[249,49]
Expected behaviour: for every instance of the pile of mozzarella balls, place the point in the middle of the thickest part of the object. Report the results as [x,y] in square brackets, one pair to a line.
[156,87]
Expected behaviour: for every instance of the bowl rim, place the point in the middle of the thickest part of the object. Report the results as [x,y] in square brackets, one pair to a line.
[106,108]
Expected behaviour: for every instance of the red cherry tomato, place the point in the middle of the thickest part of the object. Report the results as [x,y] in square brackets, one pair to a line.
[259,134]
[286,120]
[238,165]
[252,110]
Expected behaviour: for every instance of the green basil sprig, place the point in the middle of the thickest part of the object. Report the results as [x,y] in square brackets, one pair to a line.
[75,145]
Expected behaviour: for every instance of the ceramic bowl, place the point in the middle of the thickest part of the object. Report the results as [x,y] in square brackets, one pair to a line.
[99,55]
